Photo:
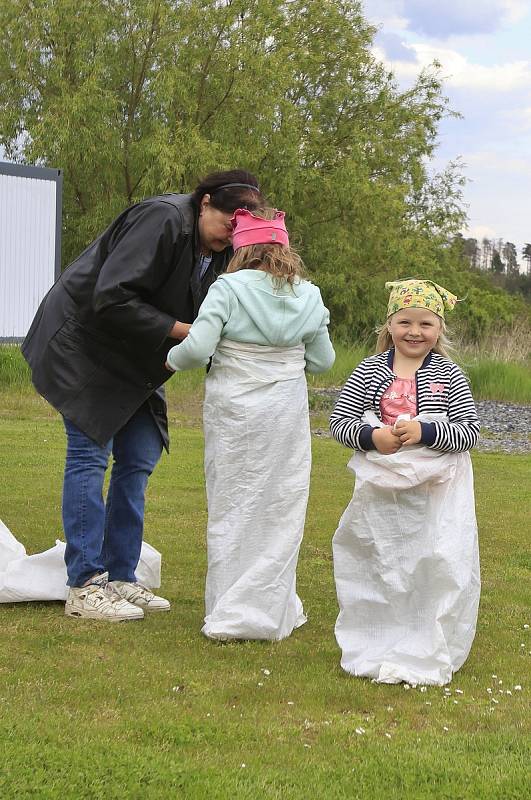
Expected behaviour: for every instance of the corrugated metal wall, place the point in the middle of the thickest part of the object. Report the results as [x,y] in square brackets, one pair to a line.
[27,249]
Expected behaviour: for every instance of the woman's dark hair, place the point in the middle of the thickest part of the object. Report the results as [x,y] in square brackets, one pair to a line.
[225,196]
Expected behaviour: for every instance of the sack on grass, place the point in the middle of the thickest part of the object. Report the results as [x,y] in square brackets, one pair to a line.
[10,549]
[42,576]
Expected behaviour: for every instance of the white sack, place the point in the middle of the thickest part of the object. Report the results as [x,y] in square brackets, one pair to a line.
[257,468]
[406,566]
[43,575]
[10,549]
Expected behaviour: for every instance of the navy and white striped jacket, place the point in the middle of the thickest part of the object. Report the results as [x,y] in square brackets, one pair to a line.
[441,388]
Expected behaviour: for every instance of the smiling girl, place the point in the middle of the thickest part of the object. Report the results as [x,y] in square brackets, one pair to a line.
[405,552]
[412,374]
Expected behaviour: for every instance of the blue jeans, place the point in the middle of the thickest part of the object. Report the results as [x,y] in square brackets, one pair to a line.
[107,536]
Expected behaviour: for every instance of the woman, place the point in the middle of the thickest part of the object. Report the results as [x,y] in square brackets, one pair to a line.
[97,349]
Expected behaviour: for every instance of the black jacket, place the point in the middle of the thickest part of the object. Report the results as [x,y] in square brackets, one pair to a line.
[98,343]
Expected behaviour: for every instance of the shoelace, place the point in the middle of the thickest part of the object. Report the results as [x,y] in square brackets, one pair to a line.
[144,592]
[107,591]
[112,593]
[139,591]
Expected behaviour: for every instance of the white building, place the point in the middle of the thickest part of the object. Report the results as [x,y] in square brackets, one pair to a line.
[30,243]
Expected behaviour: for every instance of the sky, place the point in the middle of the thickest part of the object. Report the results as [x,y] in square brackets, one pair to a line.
[484,47]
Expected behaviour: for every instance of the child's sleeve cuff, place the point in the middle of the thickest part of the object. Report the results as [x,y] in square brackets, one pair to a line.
[429,433]
[365,438]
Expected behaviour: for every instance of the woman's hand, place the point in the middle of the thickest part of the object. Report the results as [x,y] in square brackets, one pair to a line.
[386,441]
[409,432]
[180,330]
[168,367]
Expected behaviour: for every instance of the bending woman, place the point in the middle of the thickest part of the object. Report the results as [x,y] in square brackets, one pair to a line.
[97,349]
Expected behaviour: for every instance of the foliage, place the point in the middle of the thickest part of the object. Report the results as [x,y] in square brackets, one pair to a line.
[497,263]
[133,99]
[502,374]
[494,255]
[500,294]
[526,254]
[14,370]
[518,284]
[504,380]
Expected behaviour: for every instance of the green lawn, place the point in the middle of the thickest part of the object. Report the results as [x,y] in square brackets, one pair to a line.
[153,710]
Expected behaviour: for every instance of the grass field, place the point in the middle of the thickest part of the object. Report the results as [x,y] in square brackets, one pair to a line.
[152,710]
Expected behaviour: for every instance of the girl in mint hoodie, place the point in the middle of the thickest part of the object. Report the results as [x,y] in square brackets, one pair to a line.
[264,326]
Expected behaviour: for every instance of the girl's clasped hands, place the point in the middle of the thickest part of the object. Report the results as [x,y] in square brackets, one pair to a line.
[389,440]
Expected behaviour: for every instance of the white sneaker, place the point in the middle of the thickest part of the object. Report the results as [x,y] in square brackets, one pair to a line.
[139,596]
[98,601]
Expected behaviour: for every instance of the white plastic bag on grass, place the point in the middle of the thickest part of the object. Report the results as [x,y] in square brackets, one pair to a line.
[42,576]
[10,549]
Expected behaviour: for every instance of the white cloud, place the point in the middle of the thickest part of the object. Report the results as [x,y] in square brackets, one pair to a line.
[525,119]
[461,73]
[516,10]
[480,232]
[497,162]
[388,13]
[488,79]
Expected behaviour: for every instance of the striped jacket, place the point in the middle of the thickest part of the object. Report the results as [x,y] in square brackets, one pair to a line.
[441,388]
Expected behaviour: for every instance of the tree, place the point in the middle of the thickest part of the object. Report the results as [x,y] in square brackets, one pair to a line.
[472,252]
[526,252]
[486,253]
[496,263]
[137,98]
[511,258]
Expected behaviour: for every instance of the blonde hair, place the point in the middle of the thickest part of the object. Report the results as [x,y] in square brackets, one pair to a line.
[443,345]
[280,261]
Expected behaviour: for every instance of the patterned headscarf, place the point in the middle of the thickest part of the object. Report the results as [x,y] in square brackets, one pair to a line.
[414,293]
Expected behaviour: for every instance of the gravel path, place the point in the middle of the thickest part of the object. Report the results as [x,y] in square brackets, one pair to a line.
[504,427]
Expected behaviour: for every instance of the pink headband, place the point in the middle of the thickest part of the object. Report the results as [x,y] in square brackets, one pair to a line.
[250,229]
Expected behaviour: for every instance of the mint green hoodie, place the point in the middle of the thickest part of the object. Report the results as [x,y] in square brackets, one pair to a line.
[246,306]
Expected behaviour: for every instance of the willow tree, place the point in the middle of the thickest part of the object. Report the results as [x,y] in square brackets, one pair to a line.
[139,97]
